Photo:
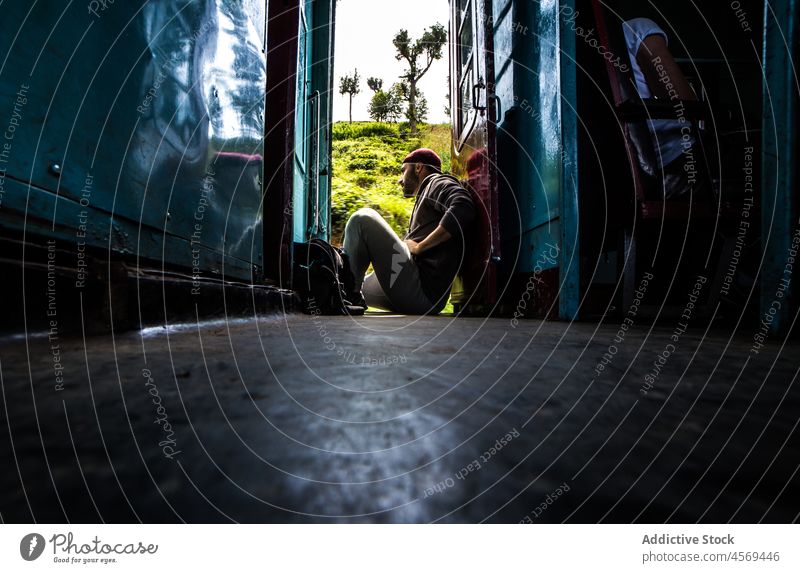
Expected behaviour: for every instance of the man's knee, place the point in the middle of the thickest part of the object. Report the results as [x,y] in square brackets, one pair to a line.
[363,216]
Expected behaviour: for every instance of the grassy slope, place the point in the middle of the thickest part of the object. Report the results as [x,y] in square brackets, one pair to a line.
[366,165]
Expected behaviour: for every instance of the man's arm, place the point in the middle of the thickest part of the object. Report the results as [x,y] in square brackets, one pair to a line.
[658,67]
[437,237]
[459,212]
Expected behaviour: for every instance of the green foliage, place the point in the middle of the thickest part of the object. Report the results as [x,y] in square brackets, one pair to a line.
[375,84]
[361,129]
[379,106]
[438,137]
[420,109]
[387,106]
[367,157]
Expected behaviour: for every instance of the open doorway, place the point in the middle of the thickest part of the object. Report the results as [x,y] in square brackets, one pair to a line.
[359,89]
[373,114]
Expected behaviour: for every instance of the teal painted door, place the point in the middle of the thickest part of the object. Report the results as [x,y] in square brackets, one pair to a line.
[140,131]
[312,125]
[301,158]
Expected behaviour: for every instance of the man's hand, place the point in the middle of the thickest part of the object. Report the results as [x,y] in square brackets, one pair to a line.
[413,246]
[437,237]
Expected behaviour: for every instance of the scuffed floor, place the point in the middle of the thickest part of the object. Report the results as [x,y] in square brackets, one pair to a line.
[398,419]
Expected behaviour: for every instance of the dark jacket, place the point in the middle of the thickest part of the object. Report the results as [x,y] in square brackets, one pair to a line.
[441,201]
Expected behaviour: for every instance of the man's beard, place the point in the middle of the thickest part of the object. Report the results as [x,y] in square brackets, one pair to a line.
[410,184]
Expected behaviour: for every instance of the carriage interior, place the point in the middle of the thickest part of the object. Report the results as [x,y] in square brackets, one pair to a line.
[627,229]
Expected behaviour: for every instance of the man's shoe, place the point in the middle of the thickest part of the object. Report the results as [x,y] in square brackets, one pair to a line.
[357,299]
[355,303]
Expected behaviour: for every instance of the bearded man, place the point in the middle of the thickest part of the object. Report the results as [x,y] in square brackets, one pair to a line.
[412,275]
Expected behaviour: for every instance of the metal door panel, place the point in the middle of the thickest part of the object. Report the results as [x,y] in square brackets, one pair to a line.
[302,123]
[159,104]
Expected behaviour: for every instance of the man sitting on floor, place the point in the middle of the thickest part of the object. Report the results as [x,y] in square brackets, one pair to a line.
[413,275]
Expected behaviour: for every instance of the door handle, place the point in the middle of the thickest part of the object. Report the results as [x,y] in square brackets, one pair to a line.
[476,96]
[498,108]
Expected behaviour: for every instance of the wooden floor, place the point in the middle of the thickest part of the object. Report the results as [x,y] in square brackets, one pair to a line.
[398,419]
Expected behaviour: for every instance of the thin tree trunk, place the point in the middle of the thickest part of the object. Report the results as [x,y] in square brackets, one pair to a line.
[351,108]
[412,106]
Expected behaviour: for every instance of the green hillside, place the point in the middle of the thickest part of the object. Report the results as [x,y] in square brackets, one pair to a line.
[367,158]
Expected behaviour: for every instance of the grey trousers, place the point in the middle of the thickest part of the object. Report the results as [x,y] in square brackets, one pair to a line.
[395,285]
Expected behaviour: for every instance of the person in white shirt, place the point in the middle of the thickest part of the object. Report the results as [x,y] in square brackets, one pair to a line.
[657,75]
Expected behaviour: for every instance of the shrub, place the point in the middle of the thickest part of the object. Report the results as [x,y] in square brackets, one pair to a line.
[363,163]
[365,181]
[357,130]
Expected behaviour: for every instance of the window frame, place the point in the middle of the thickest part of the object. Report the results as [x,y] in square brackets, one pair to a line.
[465,72]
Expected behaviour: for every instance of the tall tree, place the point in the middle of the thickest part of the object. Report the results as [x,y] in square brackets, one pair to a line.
[349,85]
[419,55]
[375,84]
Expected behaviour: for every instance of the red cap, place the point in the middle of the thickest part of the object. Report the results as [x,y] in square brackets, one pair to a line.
[426,157]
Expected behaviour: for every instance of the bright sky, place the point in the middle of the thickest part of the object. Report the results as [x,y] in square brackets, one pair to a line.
[364,32]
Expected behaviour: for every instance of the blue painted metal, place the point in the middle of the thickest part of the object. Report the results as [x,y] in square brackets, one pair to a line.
[153,114]
[569,295]
[305,115]
[298,137]
[531,137]
[313,106]
[323,81]
[530,134]
[780,226]
[534,167]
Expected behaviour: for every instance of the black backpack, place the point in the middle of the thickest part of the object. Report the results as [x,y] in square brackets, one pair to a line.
[323,279]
